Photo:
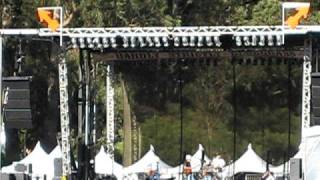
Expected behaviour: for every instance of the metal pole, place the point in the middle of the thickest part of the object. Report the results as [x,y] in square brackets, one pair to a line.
[0,101]
[87,74]
[234,117]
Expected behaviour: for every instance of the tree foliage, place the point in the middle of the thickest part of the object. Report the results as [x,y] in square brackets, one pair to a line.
[153,89]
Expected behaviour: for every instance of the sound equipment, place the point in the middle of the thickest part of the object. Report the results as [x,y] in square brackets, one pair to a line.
[16,96]
[315,99]
[57,167]
[296,169]
[16,176]
[20,168]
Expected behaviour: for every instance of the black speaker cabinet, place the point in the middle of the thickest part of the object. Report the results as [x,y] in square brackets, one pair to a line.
[16,102]
[315,99]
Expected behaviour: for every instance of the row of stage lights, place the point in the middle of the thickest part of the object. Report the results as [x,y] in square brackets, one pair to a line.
[262,40]
[216,62]
[134,42]
[184,41]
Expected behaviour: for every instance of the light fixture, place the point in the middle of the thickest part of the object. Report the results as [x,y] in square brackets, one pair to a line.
[149,41]
[96,42]
[192,41]
[90,44]
[165,41]
[279,40]
[185,41]
[270,40]
[262,40]
[157,41]
[141,42]
[238,41]
[105,42]
[74,43]
[254,40]
[209,41]
[82,44]
[133,42]
[176,41]
[113,42]
[217,41]
[125,42]
[246,41]
[200,41]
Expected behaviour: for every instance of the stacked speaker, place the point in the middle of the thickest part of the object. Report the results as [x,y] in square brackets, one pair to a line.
[16,102]
[315,99]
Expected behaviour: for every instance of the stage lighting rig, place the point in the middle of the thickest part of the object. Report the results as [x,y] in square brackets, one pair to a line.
[270,40]
[90,44]
[262,40]
[185,41]
[176,41]
[246,41]
[192,41]
[125,42]
[238,41]
[217,41]
[254,41]
[74,43]
[165,41]
[200,41]
[132,42]
[82,43]
[209,41]
[113,42]
[105,42]
[157,41]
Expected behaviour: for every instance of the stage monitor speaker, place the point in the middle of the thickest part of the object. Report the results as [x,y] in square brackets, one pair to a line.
[296,169]
[16,100]
[315,99]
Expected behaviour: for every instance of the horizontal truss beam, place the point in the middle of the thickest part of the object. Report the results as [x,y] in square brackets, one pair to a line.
[131,37]
[157,55]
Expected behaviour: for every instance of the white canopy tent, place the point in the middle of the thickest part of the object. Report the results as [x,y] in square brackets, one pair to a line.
[148,161]
[105,165]
[55,153]
[39,160]
[195,162]
[248,162]
[309,152]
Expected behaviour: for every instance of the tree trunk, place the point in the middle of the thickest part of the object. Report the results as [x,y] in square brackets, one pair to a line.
[127,153]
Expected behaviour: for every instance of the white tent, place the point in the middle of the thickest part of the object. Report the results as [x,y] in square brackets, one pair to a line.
[248,162]
[149,160]
[195,162]
[38,158]
[105,165]
[55,153]
[309,152]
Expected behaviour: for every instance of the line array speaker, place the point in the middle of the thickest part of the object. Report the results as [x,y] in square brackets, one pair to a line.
[16,102]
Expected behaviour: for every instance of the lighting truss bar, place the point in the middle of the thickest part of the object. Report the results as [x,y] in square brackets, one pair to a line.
[151,35]
[238,54]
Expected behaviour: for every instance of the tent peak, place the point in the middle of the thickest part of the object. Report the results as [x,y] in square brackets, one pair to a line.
[201,147]
[250,146]
[102,149]
[151,148]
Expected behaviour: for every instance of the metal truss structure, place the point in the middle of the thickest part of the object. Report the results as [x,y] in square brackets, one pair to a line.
[162,37]
[306,86]
[64,115]
[110,110]
[134,37]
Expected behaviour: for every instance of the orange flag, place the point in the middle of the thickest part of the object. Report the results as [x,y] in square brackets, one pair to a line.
[294,20]
[45,16]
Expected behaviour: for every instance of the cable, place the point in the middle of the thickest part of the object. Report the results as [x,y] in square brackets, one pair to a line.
[234,115]
[289,109]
